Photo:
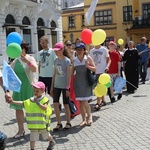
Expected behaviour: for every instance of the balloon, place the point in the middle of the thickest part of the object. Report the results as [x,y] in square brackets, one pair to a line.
[101,89]
[13,50]
[98,37]
[96,92]
[86,35]
[104,78]
[108,84]
[120,41]
[14,37]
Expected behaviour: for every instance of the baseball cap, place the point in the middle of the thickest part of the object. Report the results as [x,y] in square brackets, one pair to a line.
[58,46]
[80,45]
[112,43]
[143,38]
[39,85]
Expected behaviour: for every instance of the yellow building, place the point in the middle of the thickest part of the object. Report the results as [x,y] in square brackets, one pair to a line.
[126,19]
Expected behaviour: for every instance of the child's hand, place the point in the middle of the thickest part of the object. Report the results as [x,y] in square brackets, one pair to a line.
[35,99]
[8,97]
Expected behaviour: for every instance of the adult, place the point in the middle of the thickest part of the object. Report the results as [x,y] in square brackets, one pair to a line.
[26,69]
[131,58]
[102,61]
[46,59]
[82,89]
[142,49]
[72,54]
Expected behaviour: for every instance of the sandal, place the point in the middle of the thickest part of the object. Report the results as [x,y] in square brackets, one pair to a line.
[19,135]
[68,126]
[90,121]
[97,107]
[82,123]
[103,103]
[58,127]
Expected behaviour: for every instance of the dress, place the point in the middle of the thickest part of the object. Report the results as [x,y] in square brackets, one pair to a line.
[82,89]
[131,68]
[26,89]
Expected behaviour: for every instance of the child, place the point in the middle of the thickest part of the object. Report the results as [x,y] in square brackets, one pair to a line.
[114,68]
[148,70]
[38,112]
[61,83]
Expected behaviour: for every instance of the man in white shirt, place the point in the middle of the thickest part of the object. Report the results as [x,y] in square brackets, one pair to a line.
[102,61]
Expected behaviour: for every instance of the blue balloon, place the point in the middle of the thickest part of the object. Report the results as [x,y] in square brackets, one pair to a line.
[14,37]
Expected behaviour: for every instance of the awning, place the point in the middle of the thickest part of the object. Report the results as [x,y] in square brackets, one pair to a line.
[44,27]
[14,25]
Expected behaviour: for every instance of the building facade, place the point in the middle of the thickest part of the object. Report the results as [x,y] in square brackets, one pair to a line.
[32,19]
[69,3]
[128,19]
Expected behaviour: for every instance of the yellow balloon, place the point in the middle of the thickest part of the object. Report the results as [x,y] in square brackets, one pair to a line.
[120,41]
[96,92]
[104,78]
[101,89]
[98,37]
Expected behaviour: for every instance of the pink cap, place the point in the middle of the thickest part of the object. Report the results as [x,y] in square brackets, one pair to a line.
[58,46]
[112,43]
[39,85]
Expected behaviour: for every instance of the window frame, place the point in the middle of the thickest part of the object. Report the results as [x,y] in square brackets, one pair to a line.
[101,14]
[128,13]
[71,21]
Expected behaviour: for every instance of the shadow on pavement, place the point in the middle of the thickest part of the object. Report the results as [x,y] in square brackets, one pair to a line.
[11,122]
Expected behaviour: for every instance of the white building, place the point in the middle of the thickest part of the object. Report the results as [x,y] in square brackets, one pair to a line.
[32,19]
[70,3]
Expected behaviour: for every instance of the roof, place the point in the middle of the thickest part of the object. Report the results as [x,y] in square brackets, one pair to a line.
[75,7]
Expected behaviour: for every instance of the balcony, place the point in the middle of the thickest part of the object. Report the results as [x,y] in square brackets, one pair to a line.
[141,23]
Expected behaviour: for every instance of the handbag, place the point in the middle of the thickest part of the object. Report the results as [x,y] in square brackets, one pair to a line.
[72,106]
[91,77]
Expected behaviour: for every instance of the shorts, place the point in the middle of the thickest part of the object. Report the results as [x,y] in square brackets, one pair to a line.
[56,95]
[113,78]
[34,135]
[47,81]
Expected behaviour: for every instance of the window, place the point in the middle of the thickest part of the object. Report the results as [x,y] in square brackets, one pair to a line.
[26,21]
[53,33]
[83,24]
[146,11]
[71,22]
[127,13]
[108,39]
[103,17]
[10,19]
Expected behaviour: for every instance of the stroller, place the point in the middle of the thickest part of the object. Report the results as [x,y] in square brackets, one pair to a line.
[3,138]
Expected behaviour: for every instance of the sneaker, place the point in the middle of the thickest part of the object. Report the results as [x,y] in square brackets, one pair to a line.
[119,96]
[51,145]
[113,100]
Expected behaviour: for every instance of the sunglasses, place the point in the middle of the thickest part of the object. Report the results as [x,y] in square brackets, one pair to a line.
[68,44]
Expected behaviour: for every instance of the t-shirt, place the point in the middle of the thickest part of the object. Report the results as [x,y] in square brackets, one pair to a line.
[46,59]
[61,72]
[99,56]
[115,58]
[144,55]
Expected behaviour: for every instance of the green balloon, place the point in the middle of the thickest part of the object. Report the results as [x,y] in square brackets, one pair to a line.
[108,84]
[13,50]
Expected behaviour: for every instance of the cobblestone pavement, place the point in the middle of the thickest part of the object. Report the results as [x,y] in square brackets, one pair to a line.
[125,125]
